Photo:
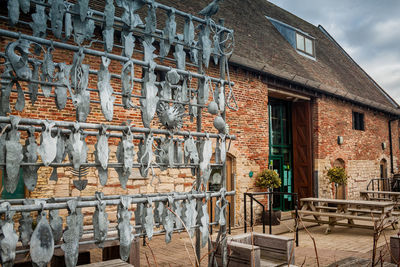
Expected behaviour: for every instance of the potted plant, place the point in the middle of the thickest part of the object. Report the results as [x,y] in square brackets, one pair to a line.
[269,179]
[337,176]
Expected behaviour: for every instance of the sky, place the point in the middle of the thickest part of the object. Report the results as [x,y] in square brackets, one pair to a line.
[369,31]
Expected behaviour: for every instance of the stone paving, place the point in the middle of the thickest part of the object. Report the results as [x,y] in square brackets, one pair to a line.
[343,242]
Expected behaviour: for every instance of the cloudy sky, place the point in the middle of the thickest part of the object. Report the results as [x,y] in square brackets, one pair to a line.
[369,30]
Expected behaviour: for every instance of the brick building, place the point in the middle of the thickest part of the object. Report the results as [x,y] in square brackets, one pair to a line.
[299,93]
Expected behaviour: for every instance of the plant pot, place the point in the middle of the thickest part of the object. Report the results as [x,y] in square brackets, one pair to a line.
[275,217]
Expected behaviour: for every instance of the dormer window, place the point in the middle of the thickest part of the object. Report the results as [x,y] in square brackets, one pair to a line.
[305,44]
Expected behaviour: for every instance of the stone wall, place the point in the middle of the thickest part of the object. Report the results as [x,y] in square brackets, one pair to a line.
[361,151]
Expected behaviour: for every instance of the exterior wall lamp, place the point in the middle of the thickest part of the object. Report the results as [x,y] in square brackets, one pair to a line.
[340,140]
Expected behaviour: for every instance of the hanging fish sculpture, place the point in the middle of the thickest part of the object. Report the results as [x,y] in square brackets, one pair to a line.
[188,31]
[193,108]
[72,234]
[13,11]
[148,105]
[190,150]
[139,219]
[127,76]
[128,42]
[56,16]
[130,19]
[204,224]
[29,173]
[100,221]
[145,154]
[220,208]
[19,61]
[33,86]
[76,147]
[108,30]
[20,103]
[102,154]
[8,237]
[194,53]
[222,148]
[158,213]
[204,91]
[67,21]
[61,153]
[168,220]
[83,29]
[56,225]
[25,225]
[48,144]
[205,158]
[162,153]
[124,227]
[205,44]
[39,25]
[25,5]
[42,243]
[125,154]
[151,19]
[149,49]
[169,32]
[14,156]
[6,84]
[3,138]
[180,54]
[48,68]
[106,91]
[148,219]
[178,152]
[62,78]
[108,38]
[171,117]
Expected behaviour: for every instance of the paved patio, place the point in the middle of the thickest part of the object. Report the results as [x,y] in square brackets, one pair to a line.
[343,242]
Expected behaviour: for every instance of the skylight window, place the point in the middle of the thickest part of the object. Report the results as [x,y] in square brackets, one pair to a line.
[305,44]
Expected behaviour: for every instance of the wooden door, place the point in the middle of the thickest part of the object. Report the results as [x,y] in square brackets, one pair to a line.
[302,155]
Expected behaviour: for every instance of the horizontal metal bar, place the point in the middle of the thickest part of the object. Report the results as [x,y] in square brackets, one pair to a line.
[85,125]
[87,204]
[93,52]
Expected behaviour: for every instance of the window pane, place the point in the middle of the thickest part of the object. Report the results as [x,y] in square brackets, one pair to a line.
[300,42]
[309,46]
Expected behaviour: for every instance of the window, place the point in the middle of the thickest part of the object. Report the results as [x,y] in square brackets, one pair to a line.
[305,44]
[358,121]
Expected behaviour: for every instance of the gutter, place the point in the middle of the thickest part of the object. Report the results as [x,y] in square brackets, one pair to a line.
[391,143]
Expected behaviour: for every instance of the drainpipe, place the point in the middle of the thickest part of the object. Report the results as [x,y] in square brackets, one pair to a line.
[390,144]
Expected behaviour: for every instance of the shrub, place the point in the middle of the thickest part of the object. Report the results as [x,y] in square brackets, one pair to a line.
[337,175]
[268,179]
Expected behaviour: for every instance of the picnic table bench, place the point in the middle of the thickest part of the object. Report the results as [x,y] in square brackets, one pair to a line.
[344,212]
[381,196]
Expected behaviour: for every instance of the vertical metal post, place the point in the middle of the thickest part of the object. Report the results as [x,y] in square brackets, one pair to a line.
[263,219]
[223,66]
[245,211]
[297,220]
[251,212]
[229,218]
[270,212]
[211,215]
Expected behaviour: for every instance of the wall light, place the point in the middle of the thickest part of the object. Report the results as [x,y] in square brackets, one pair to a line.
[340,140]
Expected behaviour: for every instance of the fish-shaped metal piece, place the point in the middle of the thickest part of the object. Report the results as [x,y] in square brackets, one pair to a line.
[39,25]
[14,156]
[108,38]
[5,98]
[105,90]
[100,221]
[83,8]
[188,31]
[171,116]
[19,61]
[72,234]
[48,144]
[205,44]
[124,227]
[178,152]
[204,221]
[25,225]
[205,158]
[168,220]
[164,153]
[220,208]
[8,237]
[177,208]
[194,53]
[159,211]
[128,42]
[169,33]
[42,243]
[125,154]
[139,218]
[83,29]
[34,87]
[148,105]
[145,154]
[56,225]
[151,19]
[25,5]
[193,107]
[191,154]
[20,103]
[62,77]
[48,68]
[180,54]
[130,19]
[29,173]
[102,154]
[204,91]
[149,49]
[67,21]
[148,219]
[81,100]
[109,12]
[127,76]
[76,147]
[13,11]
[56,16]
[61,153]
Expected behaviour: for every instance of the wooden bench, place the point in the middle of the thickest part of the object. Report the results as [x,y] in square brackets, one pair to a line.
[255,249]
[113,263]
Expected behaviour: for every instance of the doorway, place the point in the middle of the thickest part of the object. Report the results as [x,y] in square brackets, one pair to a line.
[280,149]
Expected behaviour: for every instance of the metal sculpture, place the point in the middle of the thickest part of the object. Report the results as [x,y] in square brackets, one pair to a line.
[145,154]
[72,234]
[19,61]
[48,68]
[14,156]
[61,153]
[148,219]
[127,76]
[189,214]
[29,173]
[108,30]
[205,222]
[5,92]
[148,105]
[205,158]
[151,19]
[67,21]
[48,144]
[188,31]
[178,209]
[102,154]
[125,154]
[33,87]
[220,208]
[42,243]
[83,24]
[20,103]
[180,54]
[220,124]
[128,42]
[165,153]
[205,43]
[25,225]
[168,35]
[100,221]
[8,237]
[124,227]
[39,25]
[171,116]
[139,211]
[168,220]
[106,91]
[56,225]
[130,19]
[178,152]
[56,16]
[76,147]
[204,91]
[62,78]
[13,11]
[190,150]
[211,9]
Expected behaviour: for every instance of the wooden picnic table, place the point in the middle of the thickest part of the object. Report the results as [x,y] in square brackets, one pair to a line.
[335,211]
[381,196]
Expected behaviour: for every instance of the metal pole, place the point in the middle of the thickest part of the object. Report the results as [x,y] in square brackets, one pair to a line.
[245,211]
[297,220]
[270,211]
[251,212]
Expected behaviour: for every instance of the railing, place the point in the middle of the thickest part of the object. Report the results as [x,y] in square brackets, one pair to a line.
[270,197]
[384,184]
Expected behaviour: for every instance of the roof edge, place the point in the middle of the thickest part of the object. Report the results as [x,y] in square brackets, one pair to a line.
[313,85]
[327,34]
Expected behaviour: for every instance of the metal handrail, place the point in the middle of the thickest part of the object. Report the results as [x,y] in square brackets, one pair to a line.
[252,198]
